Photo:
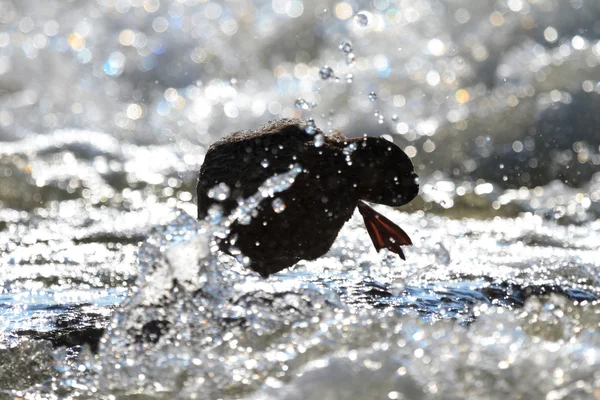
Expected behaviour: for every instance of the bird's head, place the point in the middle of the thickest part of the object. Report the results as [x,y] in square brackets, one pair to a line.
[384,173]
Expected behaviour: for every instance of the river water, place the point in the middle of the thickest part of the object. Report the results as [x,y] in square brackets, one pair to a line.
[110,287]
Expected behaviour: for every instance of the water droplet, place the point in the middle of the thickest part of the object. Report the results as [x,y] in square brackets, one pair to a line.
[350,59]
[280,182]
[345,46]
[247,208]
[313,104]
[442,255]
[348,150]
[278,205]
[395,117]
[311,127]
[245,219]
[319,140]
[372,96]
[326,72]
[557,212]
[264,163]
[362,20]
[349,78]
[301,104]
[215,214]
[220,192]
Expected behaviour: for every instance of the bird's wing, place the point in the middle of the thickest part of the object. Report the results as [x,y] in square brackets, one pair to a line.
[384,233]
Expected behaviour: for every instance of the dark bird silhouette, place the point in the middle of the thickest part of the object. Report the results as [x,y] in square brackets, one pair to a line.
[336,177]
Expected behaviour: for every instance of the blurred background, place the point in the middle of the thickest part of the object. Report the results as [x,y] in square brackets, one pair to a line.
[504,92]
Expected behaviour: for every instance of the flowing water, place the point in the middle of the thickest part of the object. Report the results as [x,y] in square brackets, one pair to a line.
[110,288]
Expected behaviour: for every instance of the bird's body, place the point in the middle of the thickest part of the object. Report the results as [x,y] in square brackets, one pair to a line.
[321,199]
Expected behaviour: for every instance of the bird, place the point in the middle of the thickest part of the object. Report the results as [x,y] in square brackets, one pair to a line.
[333,176]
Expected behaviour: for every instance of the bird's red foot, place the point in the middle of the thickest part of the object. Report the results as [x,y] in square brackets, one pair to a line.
[384,233]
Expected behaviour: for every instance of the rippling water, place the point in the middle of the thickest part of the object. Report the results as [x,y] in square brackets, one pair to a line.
[109,285]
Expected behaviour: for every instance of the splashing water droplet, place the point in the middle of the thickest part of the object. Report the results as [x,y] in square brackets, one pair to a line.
[301,104]
[244,219]
[349,78]
[220,192]
[246,208]
[442,255]
[345,46]
[350,59]
[372,96]
[215,214]
[280,182]
[362,20]
[326,72]
[348,150]
[278,205]
[311,127]
[319,140]
[264,163]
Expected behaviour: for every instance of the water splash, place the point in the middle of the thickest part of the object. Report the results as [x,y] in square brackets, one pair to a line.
[345,46]
[219,192]
[301,104]
[361,20]
[311,127]
[245,209]
[348,150]
[278,205]
[319,140]
[326,73]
